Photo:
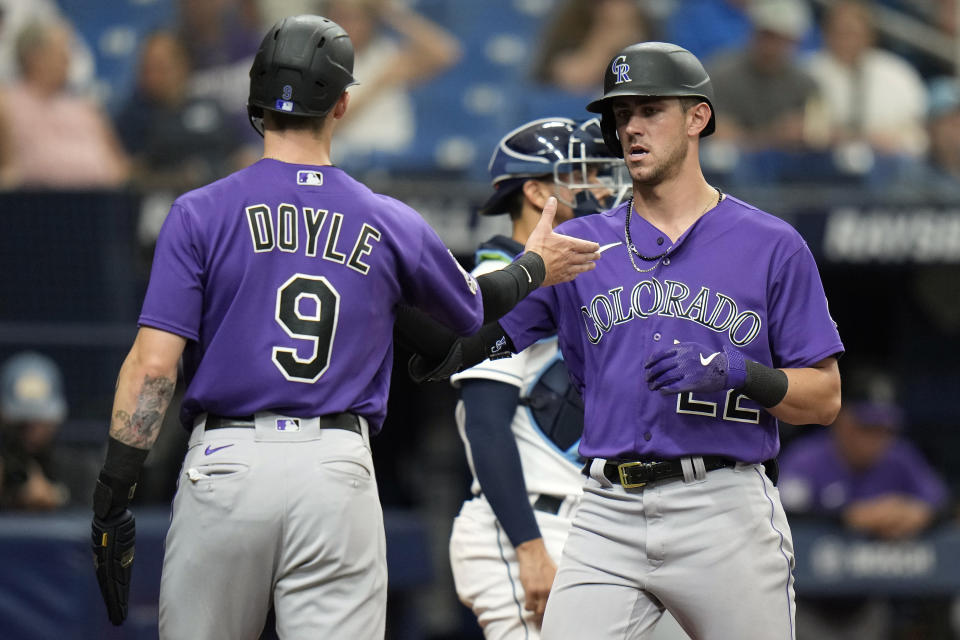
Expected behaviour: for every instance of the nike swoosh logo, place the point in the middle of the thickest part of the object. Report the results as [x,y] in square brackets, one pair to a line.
[608,246]
[211,449]
[708,359]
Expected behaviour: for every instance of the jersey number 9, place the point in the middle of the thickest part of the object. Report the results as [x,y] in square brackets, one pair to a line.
[308,308]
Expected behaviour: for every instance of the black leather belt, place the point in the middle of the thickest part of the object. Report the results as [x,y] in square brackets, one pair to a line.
[632,474]
[548,503]
[345,420]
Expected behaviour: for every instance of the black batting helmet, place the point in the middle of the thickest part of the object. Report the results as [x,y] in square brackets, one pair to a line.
[656,69]
[302,67]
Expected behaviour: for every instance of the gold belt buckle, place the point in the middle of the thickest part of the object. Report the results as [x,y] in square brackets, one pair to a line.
[623,476]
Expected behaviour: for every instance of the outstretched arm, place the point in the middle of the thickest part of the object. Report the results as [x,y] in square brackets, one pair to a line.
[549,258]
[439,352]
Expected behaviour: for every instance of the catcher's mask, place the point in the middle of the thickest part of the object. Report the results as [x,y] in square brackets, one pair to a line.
[572,154]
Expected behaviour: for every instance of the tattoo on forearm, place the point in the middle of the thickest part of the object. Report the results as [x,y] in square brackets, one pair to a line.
[140,429]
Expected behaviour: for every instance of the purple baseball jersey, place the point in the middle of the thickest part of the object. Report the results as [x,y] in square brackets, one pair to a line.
[814,478]
[284,279]
[737,277]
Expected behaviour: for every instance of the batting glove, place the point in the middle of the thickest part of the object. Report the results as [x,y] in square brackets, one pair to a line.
[113,534]
[690,366]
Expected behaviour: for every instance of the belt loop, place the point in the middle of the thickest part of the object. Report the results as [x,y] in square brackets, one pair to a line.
[196,435]
[699,468]
[689,475]
[596,472]
[364,430]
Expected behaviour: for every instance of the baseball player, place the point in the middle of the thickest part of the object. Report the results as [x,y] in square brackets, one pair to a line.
[278,286]
[519,418]
[704,323]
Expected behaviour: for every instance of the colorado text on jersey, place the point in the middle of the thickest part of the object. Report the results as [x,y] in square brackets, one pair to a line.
[666,299]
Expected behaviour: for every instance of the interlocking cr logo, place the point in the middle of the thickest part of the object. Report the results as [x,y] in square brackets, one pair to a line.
[621,68]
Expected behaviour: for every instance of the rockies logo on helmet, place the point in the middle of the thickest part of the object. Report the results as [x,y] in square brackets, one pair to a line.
[660,69]
[621,69]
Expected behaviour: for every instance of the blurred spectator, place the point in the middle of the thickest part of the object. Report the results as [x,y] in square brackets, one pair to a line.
[177,141]
[219,32]
[221,37]
[863,472]
[50,138]
[871,96]
[32,407]
[582,37]
[709,27]
[938,176]
[930,16]
[762,93]
[14,16]
[381,117]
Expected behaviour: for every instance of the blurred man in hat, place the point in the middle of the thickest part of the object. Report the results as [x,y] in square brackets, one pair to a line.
[865,473]
[32,407]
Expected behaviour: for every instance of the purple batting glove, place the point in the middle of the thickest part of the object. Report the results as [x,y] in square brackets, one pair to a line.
[690,366]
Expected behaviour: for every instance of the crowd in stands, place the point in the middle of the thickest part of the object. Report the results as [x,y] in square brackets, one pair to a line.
[805,90]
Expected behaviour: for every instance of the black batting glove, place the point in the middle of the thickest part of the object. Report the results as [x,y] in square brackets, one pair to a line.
[113,536]
[421,369]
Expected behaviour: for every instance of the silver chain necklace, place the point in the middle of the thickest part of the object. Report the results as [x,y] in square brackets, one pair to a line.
[632,248]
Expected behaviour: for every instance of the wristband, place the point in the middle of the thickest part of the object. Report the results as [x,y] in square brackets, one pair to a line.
[123,462]
[765,385]
[118,479]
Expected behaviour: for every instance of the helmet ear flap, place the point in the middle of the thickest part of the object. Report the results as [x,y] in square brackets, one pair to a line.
[255,116]
[608,127]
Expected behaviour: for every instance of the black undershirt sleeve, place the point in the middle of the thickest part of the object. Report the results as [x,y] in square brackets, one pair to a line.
[504,288]
[440,351]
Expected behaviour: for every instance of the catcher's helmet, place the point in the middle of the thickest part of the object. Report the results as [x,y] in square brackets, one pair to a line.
[559,148]
[302,67]
[656,69]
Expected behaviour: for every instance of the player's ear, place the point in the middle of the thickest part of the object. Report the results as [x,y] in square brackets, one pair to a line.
[340,107]
[698,117]
[536,193]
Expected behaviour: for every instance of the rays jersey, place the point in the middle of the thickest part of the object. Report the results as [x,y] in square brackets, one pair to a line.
[548,421]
